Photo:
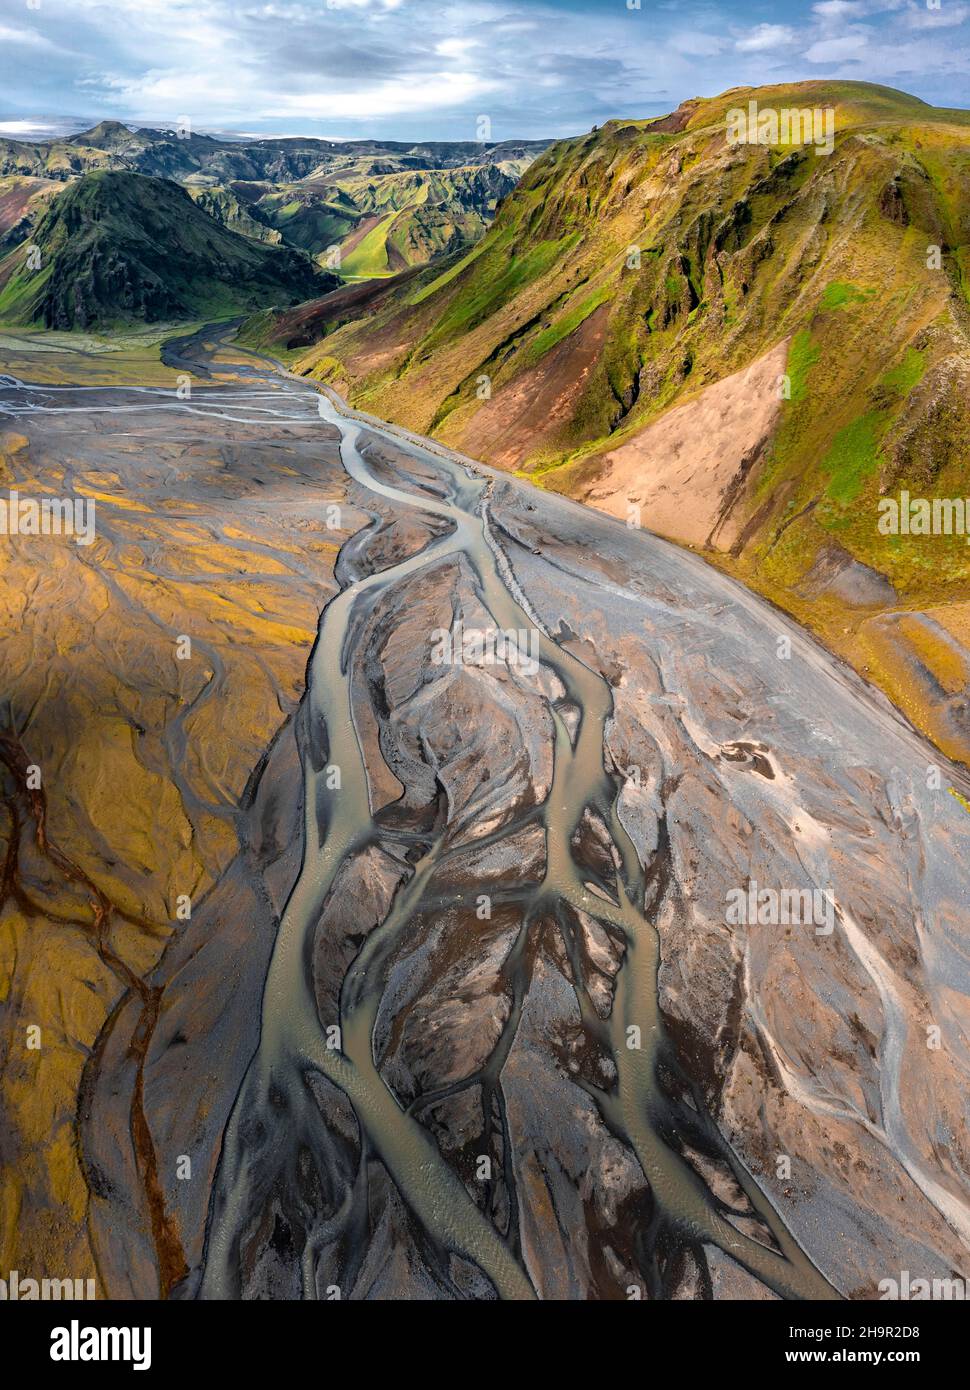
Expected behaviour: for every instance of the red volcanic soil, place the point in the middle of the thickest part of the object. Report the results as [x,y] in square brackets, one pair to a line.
[677,120]
[532,408]
[305,324]
[14,201]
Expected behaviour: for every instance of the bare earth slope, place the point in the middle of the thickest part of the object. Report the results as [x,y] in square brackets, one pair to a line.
[685,471]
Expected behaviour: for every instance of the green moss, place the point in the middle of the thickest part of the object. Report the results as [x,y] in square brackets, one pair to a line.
[568,323]
[22,296]
[906,374]
[840,293]
[369,258]
[493,282]
[802,356]
[446,277]
[853,456]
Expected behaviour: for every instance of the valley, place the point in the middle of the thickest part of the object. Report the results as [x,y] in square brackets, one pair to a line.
[739,346]
[361,208]
[363,973]
[485,772]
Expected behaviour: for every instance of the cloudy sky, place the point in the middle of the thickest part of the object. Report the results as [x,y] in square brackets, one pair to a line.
[430,68]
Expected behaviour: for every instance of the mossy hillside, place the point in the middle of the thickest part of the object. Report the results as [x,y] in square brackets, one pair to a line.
[703,257]
[305,219]
[227,207]
[873,402]
[369,256]
[118,247]
[736,247]
[692,259]
[421,214]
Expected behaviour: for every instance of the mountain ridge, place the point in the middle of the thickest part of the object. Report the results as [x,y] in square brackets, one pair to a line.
[318,196]
[116,247]
[638,267]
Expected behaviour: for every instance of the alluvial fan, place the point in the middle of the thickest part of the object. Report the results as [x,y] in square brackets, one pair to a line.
[579,930]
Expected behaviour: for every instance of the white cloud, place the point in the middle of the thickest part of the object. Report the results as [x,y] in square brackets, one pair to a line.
[917,17]
[839,9]
[765,36]
[160,93]
[363,4]
[454,48]
[428,67]
[383,99]
[25,38]
[29,130]
[895,62]
[846,46]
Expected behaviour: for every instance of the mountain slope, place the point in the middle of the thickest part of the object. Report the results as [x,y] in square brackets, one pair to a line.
[649,263]
[411,203]
[22,203]
[117,247]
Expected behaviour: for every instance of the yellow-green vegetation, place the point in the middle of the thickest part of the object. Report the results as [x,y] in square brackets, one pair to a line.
[369,256]
[381,222]
[438,281]
[703,255]
[118,359]
[425,212]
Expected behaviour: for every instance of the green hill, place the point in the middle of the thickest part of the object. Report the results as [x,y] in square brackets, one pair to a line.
[382,218]
[744,346]
[118,247]
[409,203]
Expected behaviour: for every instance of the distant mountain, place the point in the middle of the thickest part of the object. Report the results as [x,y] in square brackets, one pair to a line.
[744,346]
[116,247]
[384,204]
[382,218]
[188,157]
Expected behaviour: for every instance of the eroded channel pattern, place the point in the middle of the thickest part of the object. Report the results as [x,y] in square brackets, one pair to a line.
[464,1015]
